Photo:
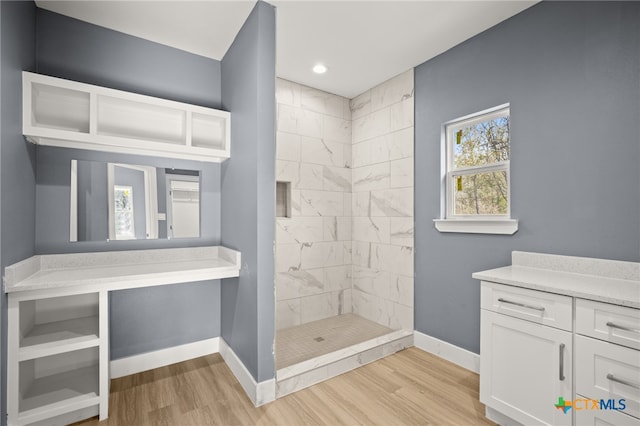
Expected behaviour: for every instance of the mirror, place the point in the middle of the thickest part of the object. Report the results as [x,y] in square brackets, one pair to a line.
[116,201]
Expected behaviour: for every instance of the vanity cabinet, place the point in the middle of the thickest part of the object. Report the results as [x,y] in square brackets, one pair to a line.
[69,114]
[560,327]
[526,350]
[57,347]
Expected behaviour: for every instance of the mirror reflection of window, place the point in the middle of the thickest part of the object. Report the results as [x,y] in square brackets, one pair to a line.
[141,179]
[124,216]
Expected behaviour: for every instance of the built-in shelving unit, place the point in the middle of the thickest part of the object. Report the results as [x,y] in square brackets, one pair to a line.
[69,114]
[56,357]
[58,323]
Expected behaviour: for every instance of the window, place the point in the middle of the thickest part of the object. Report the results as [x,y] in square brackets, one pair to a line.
[476,185]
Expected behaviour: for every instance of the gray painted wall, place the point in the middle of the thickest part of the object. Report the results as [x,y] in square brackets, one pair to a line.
[571,72]
[79,51]
[17,157]
[76,50]
[248,191]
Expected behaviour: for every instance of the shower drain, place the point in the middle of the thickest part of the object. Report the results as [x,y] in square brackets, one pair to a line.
[319,339]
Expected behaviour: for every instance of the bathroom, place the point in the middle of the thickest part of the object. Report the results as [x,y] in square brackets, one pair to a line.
[331,200]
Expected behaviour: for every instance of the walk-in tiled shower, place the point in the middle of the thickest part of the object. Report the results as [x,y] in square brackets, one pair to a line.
[344,229]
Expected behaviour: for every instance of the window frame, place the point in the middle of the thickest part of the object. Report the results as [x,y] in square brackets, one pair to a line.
[485,224]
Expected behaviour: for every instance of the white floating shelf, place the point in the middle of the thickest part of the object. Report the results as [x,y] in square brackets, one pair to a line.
[69,114]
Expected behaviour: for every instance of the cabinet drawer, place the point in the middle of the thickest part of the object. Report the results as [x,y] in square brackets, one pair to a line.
[608,371]
[617,324]
[603,418]
[549,309]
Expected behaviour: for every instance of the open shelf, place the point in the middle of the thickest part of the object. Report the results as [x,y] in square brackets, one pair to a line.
[70,114]
[60,108]
[60,336]
[59,394]
[208,131]
[140,120]
[58,324]
[58,384]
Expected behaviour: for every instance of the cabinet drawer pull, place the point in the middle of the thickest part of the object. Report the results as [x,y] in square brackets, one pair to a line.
[623,381]
[622,327]
[524,305]
[561,372]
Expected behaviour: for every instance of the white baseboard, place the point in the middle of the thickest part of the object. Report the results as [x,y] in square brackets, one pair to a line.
[452,353]
[259,393]
[150,360]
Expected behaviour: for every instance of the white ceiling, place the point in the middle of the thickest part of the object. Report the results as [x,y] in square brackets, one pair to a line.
[363,42]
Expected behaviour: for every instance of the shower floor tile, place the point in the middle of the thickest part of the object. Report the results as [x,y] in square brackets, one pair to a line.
[307,341]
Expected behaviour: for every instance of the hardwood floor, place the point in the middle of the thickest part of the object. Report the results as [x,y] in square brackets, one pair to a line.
[409,387]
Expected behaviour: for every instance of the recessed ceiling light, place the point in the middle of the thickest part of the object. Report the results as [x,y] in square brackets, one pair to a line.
[320,68]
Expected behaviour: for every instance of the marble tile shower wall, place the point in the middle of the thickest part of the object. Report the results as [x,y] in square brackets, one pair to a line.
[382,187]
[348,245]
[313,246]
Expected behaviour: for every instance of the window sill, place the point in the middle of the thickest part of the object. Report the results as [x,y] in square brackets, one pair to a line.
[473,226]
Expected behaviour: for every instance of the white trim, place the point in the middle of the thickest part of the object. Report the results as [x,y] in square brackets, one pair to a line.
[111,170]
[103,364]
[265,392]
[259,393]
[150,360]
[73,203]
[475,226]
[452,353]
[449,171]
[491,112]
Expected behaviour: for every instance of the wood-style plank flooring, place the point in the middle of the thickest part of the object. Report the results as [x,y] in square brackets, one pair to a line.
[409,387]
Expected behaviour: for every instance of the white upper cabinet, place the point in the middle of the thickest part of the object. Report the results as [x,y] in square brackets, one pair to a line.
[69,114]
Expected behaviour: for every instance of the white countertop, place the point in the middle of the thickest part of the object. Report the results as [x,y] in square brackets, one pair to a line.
[601,284]
[609,290]
[119,270]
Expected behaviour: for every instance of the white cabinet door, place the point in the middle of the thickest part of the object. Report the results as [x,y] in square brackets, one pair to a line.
[524,369]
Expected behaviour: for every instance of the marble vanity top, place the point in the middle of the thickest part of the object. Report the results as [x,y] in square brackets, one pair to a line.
[602,280]
[118,270]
